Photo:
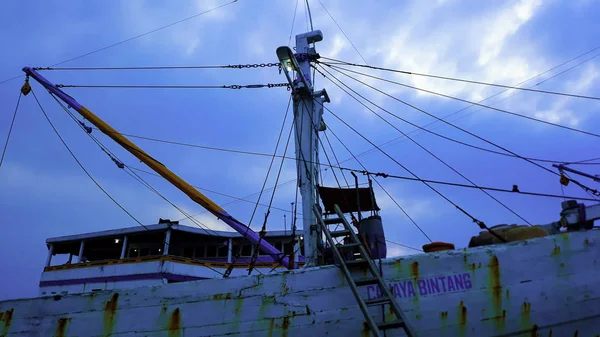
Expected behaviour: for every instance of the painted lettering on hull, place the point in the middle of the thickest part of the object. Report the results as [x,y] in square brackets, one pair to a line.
[426,286]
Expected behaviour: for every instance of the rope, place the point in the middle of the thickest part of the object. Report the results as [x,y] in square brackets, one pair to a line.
[461,129]
[418,144]
[463,80]
[382,188]
[10,129]
[455,98]
[81,165]
[131,173]
[239,252]
[132,38]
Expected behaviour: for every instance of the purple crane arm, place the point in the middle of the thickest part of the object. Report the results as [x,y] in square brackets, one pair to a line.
[161,169]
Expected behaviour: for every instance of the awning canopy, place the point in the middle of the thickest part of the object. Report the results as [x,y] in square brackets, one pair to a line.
[346,199]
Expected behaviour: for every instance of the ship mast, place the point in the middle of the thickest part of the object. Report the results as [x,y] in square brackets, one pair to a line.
[308,111]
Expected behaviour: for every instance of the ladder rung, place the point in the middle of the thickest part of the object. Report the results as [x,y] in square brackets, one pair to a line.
[379,300]
[339,233]
[349,245]
[356,263]
[366,281]
[332,221]
[391,324]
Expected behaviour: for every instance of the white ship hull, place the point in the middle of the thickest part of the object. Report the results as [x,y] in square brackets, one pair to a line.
[541,287]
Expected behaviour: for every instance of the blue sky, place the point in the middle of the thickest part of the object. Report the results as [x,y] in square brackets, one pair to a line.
[43,193]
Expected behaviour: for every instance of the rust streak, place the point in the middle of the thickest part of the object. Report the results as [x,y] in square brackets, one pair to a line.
[61,328]
[444,315]
[496,291]
[398,266]
[174,325]
[365,331]
[576,333]
[414,269]
[110,312]
[238,305]
[271,325]
[285,325]
[226,296]
[7,319]
[534,330]
[525,315]
[390,314]
[556,251]
[462,314]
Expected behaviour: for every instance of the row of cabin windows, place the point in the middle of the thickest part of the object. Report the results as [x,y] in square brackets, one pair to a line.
[200,252]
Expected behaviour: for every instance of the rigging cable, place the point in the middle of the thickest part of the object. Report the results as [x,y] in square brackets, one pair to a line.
[411,139]
[263,154]
[264,226]
[593,192]
[131,173]
[447,183]
[12,123]
[584,161]
[466,131]
[381,186]
[215,192]
[535,85]
[480,223]
[463,80]
[239,252]
[341,30]
[110,154]
[309,15]
[272,160]
[405,246]
[315,127]
[336,167]
[502,91]
[81,165]
[293,22]
[454,98]
[132,38]
[337,161]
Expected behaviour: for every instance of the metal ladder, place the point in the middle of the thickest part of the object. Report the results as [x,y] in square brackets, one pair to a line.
[365,261]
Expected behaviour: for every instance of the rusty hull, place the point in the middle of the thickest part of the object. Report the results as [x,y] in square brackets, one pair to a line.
[540,287]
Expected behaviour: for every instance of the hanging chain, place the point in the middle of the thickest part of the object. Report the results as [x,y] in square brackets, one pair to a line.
[255,65]
[254,86]
[231,66]
[232,86]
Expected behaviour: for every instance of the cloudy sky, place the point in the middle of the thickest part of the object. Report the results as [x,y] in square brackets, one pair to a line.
[43,193]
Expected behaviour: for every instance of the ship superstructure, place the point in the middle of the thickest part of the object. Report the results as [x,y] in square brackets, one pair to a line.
[158,254]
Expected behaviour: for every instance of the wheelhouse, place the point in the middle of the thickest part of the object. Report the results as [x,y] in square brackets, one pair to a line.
[157,254]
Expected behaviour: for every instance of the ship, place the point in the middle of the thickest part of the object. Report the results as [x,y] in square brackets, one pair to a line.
[332,277]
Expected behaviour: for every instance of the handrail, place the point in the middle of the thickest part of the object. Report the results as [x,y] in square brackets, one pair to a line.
[151,258]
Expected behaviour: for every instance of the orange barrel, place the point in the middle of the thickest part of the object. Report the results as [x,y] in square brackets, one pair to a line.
[437,247]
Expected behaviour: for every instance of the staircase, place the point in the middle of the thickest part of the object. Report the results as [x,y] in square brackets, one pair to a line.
[364,261]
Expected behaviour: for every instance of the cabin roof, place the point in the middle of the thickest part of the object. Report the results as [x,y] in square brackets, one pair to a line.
[158,228]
